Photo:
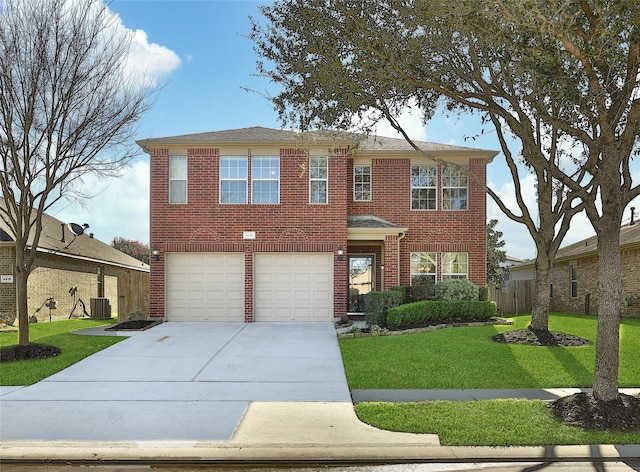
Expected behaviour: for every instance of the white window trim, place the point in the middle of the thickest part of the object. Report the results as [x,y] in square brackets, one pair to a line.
[455,275]
[326,202]
[455,187]
[174,179]
[435,259]
[431,187]
[370,173]
[261,179]
[245,180]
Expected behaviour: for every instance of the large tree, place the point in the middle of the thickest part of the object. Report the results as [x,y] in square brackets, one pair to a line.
[560,77]
[140,251]
[67,109]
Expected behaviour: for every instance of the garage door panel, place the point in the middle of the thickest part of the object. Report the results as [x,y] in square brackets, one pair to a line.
[205,287]
[293,286]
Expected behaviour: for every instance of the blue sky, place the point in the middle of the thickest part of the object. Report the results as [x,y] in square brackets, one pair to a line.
[200,54]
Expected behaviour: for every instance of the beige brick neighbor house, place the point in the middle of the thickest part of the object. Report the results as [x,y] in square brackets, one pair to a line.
[574,287]
[69,268]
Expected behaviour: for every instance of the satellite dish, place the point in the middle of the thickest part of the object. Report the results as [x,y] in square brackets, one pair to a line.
[77,229]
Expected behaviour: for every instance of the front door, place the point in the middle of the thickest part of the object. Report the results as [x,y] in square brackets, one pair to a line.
[360,281]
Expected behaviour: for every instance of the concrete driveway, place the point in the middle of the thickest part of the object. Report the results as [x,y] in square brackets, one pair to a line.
[179,381]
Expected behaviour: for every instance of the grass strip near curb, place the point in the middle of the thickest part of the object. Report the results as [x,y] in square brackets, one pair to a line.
[58,333]
[466,357]
[505,422]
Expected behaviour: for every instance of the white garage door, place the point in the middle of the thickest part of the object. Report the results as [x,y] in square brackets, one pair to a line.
[205,287]
[293,287]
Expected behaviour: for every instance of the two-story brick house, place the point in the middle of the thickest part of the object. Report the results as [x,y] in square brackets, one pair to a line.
[260,224]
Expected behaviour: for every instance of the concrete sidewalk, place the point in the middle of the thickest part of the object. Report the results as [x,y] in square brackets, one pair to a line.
[221,392]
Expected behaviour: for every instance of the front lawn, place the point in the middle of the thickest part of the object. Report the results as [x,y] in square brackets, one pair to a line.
[466,357]
[73,348]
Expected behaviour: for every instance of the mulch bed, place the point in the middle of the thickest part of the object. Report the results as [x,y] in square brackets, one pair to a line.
[540,338]
[30,351]
[583,410]
[133,325]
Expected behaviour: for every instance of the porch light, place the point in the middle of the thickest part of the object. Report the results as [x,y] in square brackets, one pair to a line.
[155,253]
[340,253]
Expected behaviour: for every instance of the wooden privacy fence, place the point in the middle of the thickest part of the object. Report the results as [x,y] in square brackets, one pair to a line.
[133,293]
[513,297]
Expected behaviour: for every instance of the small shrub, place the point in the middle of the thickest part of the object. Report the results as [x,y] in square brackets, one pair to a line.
[430,311]
[376,305]
[456,289]
[415,293]
[136,315]
[483,293]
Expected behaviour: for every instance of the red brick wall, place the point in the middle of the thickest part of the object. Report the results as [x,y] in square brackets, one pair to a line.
[203,224]
[429,230]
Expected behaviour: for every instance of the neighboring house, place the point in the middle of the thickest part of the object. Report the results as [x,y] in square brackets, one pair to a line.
[509,262]
[64,262]
[574,287]
[260,224]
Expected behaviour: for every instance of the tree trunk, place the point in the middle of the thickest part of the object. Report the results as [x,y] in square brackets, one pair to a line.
[23,314]
[541,294]
[610,289]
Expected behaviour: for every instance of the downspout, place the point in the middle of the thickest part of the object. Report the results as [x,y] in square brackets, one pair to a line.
[400,237]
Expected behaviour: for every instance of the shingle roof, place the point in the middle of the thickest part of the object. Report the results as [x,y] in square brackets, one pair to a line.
[369,221]
[261,135]
[629,238]
[82,247]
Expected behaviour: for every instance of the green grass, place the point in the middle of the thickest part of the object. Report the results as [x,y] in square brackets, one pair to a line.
[510,422]
[72,346]
[467,358]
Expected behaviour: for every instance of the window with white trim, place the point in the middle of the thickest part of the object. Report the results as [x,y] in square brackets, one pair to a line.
[424,182]
[574,281]
[233,179]
[362,183]
[318,179]
[177,179]
[423,268]
[265,179]
[454,188]
[455,265]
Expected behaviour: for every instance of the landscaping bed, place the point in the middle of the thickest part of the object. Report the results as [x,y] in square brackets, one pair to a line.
[134,325]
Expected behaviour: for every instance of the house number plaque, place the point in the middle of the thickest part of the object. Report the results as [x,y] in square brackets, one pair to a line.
[6,279]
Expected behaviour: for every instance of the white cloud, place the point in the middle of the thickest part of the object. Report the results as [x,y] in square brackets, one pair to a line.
[147,62]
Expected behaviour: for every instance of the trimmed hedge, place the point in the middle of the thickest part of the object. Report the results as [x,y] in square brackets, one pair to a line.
[377,304]
[456,289]
[415,293]
[422,313]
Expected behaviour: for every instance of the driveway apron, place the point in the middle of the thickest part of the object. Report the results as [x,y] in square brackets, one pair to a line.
[179,381]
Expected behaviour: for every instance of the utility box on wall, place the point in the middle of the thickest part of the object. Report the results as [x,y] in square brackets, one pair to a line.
[100,308]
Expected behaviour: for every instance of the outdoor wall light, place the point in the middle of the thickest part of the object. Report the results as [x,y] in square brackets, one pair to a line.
[155,253]
[340,253]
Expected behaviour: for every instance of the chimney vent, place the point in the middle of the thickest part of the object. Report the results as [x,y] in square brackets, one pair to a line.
[91,235]
[62,240]
[633,211]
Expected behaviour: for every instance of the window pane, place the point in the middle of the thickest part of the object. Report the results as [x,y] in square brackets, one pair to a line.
[454,189]
[178,167]
[454,265]
[318,190]
[233,191]
[362,183]
[264,191]
[178,191]
[423,187]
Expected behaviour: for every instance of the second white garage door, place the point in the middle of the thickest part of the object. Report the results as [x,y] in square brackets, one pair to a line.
[293,287]
[205,286]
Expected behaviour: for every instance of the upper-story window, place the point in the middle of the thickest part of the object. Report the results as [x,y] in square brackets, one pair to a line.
[318,179]
[233,180]
[265,180]
[424,182]
[362,183]
[454,188]
[455,265]
[177,179]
